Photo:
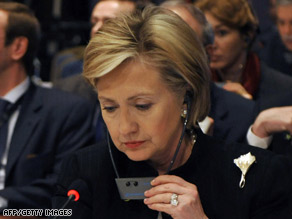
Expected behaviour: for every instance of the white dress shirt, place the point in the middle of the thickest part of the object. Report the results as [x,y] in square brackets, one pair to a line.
[256,141]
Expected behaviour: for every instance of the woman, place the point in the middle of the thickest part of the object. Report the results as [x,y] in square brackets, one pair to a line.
[152,90]
[233,65]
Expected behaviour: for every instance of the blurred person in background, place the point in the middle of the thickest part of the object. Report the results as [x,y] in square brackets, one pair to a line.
[38,126]
[277,51]
[225,105]
[234,66]
[242,72]
[70,61]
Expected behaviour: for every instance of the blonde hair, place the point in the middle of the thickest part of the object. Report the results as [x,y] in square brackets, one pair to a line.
[159,38]
[236,14]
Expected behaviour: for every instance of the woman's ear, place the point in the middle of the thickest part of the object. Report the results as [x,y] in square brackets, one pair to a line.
[18,47]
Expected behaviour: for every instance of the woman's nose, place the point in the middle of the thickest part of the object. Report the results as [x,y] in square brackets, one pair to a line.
[215,43]
[127,124]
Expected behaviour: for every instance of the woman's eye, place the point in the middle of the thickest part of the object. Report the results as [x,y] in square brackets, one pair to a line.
[109,109]
[221,32]
[143,107]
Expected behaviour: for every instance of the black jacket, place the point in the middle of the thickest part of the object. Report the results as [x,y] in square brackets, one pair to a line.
[211,168]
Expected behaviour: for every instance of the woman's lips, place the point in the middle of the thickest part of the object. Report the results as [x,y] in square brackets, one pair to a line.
[133,144]
[215,58]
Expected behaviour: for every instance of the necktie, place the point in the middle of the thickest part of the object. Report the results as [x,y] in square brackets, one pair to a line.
[3,125]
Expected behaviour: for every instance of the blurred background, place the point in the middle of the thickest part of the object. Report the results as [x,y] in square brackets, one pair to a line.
[66,24]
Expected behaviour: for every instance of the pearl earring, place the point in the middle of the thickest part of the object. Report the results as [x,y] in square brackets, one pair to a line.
[183,113]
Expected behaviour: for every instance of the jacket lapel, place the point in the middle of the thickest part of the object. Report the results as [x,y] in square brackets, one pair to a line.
[26,124]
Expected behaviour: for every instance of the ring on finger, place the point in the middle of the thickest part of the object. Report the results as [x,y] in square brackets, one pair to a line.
[174,199]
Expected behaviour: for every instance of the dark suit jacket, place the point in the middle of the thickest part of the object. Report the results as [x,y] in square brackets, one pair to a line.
[272,83]
[211,168]
[275,54]
[51,124]
[232,114]
[276,100]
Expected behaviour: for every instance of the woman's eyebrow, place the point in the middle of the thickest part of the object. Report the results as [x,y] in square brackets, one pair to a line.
[139,95]
[105,98]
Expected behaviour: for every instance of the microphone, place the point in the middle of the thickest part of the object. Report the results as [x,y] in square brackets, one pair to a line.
[76,188]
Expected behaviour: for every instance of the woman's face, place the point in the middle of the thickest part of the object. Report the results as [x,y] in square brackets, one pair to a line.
[229,47]
[141,113]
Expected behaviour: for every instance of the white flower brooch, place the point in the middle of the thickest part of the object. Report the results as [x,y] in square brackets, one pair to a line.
[244,162]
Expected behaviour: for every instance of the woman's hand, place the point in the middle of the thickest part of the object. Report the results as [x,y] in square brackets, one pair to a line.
[189,203]
[237,88]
